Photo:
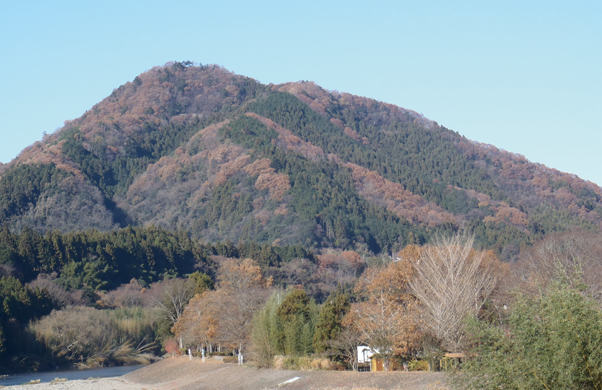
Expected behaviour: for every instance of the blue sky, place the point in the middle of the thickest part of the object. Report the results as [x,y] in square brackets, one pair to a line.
[522,75]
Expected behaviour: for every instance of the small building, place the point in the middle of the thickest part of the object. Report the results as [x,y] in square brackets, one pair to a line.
[368,359]
[376,363]
[364,353]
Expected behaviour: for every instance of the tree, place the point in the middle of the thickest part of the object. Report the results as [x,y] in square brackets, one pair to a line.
[553,341]
[345,344]
[176,295]
[266,331]
[576,256]
[201,282]
[329,323]
[388,318]
[452,281]
[297,315]
[225,315]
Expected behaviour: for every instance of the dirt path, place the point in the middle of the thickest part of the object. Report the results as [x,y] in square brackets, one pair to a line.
[180,373]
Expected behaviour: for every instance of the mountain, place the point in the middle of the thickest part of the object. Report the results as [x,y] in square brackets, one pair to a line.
[224,157]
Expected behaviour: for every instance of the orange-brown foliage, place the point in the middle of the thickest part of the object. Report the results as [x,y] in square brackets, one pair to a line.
[411,253]
[390,312]
[224,315]
[395,198]
[530,181]
[276,183]
[288,140]
[346,259]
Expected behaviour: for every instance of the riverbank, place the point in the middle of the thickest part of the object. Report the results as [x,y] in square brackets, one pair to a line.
[181,373]
[68,375]
[115,383]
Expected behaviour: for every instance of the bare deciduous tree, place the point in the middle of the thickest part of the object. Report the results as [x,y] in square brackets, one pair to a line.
[175,297]
[452,281]
[574,257]
[347,341]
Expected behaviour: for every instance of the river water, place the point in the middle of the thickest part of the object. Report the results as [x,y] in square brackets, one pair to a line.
[47,376]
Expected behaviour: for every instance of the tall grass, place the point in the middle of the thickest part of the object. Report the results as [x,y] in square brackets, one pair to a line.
[89,337]
[302,363]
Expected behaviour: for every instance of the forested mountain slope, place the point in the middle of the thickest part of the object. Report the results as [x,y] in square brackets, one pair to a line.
[200,149]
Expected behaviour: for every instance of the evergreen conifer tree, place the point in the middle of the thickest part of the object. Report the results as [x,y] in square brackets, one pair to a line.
[329,325]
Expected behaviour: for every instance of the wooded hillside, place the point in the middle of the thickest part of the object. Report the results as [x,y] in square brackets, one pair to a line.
[193,184]
[224,157]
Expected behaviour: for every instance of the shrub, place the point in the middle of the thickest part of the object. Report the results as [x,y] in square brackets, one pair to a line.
[279,362]
[552,341]
[302,363]
[418,365]
[325,364]
[291,363]
[171,346]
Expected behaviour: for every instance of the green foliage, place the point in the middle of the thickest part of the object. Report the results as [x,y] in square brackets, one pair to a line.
[424,161]
[323,207]
[553,341]
[266,255]
[323,193]
[201,282]
[418,365]
[505,239]
[114,175]
[19,305]
[297,315]
[547,219]
[295,304]
[223,208]
[21,187]
[284,327]
[157,137]
[265,336]
[329,324]
[104,260]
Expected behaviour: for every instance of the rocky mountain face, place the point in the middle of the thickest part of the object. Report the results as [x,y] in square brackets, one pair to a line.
[224,157]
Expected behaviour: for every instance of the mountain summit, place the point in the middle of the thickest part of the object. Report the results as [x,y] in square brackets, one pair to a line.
[227,158]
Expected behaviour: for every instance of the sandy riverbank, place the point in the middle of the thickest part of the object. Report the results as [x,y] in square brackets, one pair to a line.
[88,384]
[182,374]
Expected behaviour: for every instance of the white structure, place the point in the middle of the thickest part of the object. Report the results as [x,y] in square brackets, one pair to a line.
[364,353]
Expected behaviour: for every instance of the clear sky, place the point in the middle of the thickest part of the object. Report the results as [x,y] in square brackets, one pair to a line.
[525,76]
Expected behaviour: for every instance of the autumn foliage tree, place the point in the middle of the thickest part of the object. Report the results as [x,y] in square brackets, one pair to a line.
[388,317]
[224,316]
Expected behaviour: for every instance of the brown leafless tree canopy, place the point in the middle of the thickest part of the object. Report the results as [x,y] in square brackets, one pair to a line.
[452,281]
[175,297]
[574,257]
